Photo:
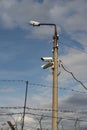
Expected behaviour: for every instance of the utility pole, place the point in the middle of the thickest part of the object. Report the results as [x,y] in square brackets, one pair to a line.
[55,73]
[55,82]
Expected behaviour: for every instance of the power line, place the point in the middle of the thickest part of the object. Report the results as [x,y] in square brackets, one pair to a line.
[73,75]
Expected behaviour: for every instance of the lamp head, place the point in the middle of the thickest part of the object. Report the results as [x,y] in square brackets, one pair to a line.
[34,23]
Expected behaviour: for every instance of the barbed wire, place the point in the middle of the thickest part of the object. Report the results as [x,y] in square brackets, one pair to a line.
[7,80]
[63,88]
[48,110]
[40,85]
[73,90]
[44,86]
[36,114]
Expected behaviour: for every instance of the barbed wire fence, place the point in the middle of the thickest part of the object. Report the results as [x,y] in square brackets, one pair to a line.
[17,96]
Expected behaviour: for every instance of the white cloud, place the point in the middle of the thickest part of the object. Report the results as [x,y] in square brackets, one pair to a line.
[27,119]
[72,107]
[70,15]
[6,3]
[49,78]
[76,60]
[7,21]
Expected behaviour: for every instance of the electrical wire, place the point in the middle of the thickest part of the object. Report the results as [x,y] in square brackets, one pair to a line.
[73,76]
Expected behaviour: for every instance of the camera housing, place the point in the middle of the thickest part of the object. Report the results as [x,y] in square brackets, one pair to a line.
[50,64]
[47,59]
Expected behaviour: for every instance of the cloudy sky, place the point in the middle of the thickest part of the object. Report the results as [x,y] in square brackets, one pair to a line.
[22,46]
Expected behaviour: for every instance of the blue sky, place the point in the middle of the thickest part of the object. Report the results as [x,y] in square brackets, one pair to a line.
[22,46]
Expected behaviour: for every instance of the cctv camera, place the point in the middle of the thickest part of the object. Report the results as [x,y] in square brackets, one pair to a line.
[34,23]
[47,65]
[47,59]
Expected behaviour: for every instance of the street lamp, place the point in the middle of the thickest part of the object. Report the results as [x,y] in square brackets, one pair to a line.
[55,73]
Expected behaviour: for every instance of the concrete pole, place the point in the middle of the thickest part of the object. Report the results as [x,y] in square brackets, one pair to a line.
[55,74]
[55,82]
